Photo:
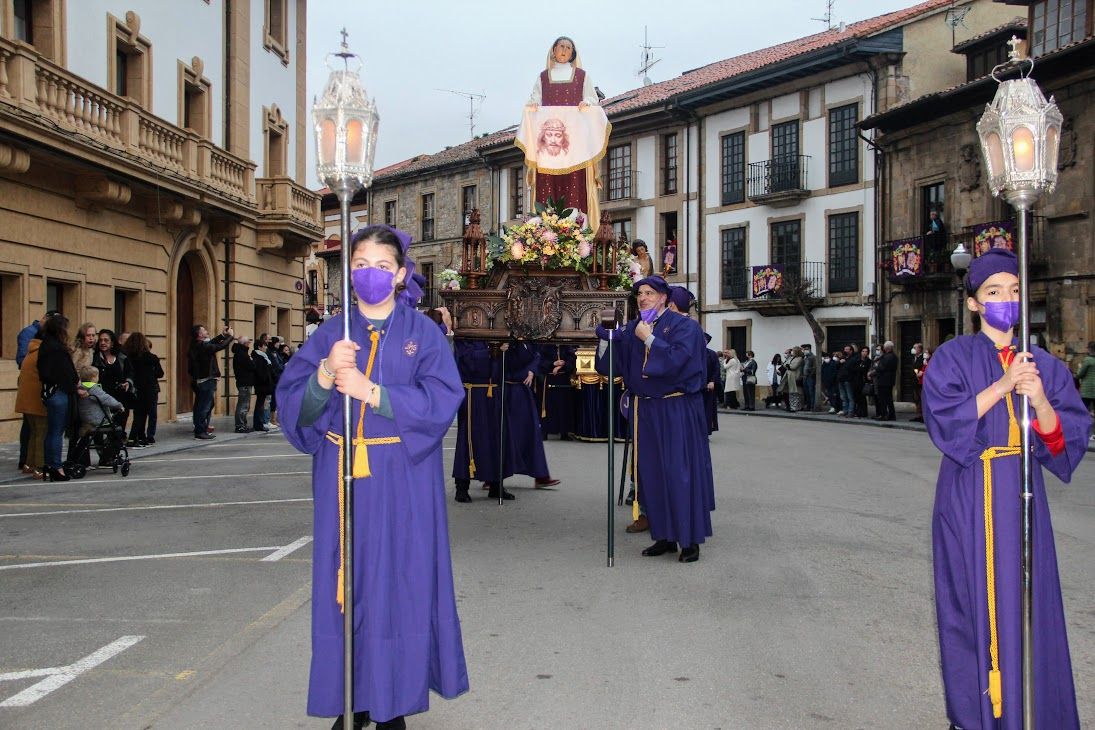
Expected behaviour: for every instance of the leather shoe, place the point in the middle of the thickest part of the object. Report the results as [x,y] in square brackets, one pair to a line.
[396,723]
[462,496]
[639,525]
[661,547]
[493,494]
[689,554]
[546,482]
[361,721]
[204,436]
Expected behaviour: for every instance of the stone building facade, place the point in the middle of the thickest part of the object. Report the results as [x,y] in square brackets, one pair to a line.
[152,161]
[932,161]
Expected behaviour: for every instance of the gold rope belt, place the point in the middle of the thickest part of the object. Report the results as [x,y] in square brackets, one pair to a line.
[471,448]
[996,690]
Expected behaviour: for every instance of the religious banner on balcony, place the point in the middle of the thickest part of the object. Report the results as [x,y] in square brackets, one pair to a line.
[907,257]
[767,280]
[995,234]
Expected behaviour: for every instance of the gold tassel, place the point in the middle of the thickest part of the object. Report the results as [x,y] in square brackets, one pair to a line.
[996,693]
[361,460]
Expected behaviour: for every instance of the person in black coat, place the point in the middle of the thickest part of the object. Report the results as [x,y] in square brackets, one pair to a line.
[861,365]
[264,385]
[711,389]
[59,381]
[115,374]
[147,372]
[885,378]
[244,369]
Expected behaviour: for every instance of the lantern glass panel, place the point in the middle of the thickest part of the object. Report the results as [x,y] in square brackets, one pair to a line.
[1052,142]
[355,144]
[996,153]
[328,138]
[1022,141]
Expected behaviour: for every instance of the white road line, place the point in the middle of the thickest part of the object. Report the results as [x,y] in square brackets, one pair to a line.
[295,454]
[152,507]
[60,676]
[121,481]
[85,561]
[290,548]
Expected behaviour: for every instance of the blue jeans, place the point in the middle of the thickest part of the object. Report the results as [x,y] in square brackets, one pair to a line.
[56,423]
[847,397]
[809,392]
[203,404]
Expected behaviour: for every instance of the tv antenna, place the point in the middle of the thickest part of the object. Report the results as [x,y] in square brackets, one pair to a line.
[648,59]
[828,19]
[472,111]
[955,17]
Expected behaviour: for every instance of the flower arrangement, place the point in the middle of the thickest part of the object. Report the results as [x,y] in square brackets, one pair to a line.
[551,239]
[450,279]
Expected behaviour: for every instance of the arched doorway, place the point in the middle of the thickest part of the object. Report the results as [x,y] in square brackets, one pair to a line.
[191,305]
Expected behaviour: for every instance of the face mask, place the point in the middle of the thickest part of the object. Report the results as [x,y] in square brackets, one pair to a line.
[648,315]
[1001,315]
[372,285]
[913,352]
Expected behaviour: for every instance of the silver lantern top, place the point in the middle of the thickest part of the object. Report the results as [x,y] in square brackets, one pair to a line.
[345,122]
[1020,132]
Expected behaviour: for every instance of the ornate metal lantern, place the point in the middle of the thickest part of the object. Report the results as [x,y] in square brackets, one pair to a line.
[1020,132]
[345,122]
[604,252]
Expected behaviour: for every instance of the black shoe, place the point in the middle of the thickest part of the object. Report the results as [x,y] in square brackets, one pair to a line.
[689,554]
[661,547]
[204,436]
[462,496]
[493,493]
[396,723]
[56,475]
[243,430]
[151,440]
[361,720]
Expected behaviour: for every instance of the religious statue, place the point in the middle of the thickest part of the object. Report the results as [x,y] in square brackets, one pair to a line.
[564,133]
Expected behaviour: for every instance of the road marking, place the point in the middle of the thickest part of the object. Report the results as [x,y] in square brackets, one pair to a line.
[223,458]
[290,548]
[152,507]
[57,677]
[121,481]
[86,561]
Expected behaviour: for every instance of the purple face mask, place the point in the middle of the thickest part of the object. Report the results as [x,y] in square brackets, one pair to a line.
[648,315]
[372,285]
[1001,315]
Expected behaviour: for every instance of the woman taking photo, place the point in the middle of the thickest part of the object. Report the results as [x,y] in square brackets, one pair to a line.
[972,400]
[147,372]
[58,376]
[400,372]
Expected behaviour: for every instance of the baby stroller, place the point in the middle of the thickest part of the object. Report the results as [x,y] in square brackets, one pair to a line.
[108,441]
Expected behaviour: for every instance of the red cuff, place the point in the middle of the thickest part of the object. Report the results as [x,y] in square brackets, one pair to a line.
[1055,441]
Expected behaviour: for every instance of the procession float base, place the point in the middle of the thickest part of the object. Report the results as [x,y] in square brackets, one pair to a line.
[529,303]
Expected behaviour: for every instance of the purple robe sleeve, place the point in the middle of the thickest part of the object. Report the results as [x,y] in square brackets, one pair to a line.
[1073,415]
[424,409]
[294,383]
[676,352]
[950,405]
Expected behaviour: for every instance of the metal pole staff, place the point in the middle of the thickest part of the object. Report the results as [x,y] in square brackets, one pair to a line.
[502,430]
[609,317]
[1022,207]
[344,197]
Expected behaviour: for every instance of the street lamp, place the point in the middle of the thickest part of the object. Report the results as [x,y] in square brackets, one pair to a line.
[345,122]
[960,261]
[1019,133]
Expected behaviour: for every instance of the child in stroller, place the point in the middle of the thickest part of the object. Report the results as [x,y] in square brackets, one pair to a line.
[97,429]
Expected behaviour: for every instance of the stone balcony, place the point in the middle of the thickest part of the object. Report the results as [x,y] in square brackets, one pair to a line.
[289,216]
[49,106]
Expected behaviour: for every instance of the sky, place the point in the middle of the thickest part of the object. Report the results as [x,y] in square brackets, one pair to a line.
[412,48]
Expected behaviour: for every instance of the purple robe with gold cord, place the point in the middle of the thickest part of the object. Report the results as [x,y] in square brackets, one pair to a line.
[675,482]
[407,637]
[959,370]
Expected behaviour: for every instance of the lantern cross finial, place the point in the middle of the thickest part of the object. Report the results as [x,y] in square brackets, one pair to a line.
[344,35]
[1016,52]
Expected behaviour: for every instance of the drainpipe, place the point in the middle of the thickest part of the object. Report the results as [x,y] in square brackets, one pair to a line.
[227,294]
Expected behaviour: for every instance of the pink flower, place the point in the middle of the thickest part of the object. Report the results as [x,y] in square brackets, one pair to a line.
[580,220]
[549,236]
[635,270]
[584,249]
[517,250]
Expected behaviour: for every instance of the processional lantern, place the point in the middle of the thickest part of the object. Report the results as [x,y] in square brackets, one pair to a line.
[474,262]
[604,252]
[345,122]
[1020,132]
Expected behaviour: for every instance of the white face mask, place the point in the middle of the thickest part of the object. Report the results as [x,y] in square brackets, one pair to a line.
[912,351]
